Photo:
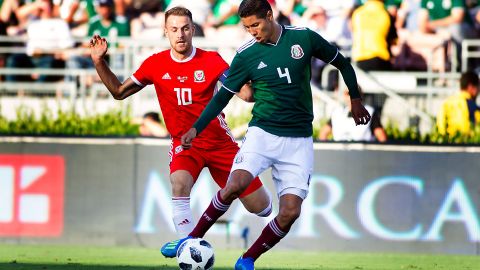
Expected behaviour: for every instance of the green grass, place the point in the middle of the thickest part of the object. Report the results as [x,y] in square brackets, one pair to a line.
[43,257]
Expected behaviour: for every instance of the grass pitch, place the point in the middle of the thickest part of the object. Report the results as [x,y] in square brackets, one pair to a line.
[48,257]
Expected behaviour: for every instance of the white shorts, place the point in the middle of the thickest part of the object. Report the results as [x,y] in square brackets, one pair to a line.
[291,160]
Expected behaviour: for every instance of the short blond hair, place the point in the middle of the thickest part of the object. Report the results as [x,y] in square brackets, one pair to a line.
[178,11]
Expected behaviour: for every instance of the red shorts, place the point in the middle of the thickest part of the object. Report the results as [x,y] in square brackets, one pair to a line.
[218,161]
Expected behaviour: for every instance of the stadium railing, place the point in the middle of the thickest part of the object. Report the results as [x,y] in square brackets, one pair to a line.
[470,52]
[417,93]
[397,85]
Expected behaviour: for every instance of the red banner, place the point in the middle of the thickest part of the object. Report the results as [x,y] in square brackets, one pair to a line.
[31,195]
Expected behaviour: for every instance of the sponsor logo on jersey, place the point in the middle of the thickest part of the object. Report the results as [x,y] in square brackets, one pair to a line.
[297,51]
[199,76]
[182,78]
[261,65]
[166,76]
[178,149]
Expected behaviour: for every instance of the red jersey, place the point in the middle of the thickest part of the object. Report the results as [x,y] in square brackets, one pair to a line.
[184,88]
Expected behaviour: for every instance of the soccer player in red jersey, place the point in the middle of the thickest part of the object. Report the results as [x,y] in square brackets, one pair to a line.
[185,80]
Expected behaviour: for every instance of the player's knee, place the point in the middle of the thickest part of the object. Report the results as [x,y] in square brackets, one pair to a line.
[288,215]
[181,188]
[233,189]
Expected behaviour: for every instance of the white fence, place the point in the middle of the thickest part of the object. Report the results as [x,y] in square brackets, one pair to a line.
[426,88]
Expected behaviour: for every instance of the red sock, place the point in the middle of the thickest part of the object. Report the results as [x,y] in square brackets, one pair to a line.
[214,211]
[271,235]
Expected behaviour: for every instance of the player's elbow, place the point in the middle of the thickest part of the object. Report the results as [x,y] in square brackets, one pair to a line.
[118,96]
[119,93]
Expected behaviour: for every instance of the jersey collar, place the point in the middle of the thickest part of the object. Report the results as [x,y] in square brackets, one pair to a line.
[279,36]
[194,51]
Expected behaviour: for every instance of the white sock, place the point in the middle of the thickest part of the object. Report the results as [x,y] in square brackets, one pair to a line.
[182,216]
[266,212]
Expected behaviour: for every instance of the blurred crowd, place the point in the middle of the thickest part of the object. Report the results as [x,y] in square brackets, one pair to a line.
[381,35]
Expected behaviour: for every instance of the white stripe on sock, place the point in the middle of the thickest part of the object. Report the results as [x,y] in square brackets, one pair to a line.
[275,229]
[218,205]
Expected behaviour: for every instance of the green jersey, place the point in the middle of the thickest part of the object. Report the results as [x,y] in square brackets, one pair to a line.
[119,27]
[439,9]
[221,7]
[280,75]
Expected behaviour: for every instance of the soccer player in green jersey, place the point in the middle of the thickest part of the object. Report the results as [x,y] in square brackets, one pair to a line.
[277,63]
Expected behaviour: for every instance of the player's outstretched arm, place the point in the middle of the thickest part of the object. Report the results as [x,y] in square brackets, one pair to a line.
[98,50]
[348,74]
[359,113]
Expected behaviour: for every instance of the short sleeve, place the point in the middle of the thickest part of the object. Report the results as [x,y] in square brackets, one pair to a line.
[321,48]
[221,66]
[142,76]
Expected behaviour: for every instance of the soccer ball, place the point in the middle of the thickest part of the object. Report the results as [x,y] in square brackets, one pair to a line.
[195,254]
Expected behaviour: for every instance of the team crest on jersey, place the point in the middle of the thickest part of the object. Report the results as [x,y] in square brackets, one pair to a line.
[297,51]
[199,76]
[238,158]
[178,149]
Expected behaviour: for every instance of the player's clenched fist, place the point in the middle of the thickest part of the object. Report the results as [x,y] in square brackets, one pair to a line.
[98,47]
[188,137]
